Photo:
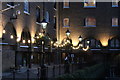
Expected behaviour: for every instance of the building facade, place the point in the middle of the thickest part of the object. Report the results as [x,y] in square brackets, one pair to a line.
[20,23]
[93,20]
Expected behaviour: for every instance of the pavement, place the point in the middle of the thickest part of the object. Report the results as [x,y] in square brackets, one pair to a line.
[23,73]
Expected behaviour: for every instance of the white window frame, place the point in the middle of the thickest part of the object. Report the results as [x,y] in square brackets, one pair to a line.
[86,23]
[26,7]
[37,22]
[47,16]
[117,22]
[66,26]
[89,6]
[113,3]
[66,1]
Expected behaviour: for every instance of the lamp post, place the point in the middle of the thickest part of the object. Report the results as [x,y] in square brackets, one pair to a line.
[80,38]
[68,33]
[43,67]
[67,66]
[29,50]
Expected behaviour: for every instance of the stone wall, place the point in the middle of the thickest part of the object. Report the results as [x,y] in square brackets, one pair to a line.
[8,57]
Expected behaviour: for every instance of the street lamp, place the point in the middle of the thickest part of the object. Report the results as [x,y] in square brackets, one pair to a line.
[68,33]
[4,31]
[80,38]
[88,41]
[11,36]
[44,23]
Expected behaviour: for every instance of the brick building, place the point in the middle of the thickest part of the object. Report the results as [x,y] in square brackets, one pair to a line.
[94,21]
[20,24]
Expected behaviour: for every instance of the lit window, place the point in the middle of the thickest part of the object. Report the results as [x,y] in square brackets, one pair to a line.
[114,22]
[26,7]
[66,4]
[114,3]
[38,15]
[89,3]
[66,22]
[90,22]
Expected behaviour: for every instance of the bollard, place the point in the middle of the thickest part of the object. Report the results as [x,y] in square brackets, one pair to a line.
[59,69]
[43,73]
[53,71]
[27,74]
[72,68]
[47,73]
[38,73]
[13,74]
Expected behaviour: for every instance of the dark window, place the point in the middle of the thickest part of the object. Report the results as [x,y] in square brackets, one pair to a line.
[54,22]
[55,5]
[38,15]
[114,43]
[26,7]
[10,4]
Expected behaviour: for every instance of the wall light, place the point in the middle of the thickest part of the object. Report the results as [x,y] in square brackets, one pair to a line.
[18,39]
[24,41]
[80,38]
[4,31]
[29,41]
[11,37]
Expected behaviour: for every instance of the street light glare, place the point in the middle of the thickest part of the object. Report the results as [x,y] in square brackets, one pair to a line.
[4,31]
[44,25]
[23,41]
[18,39]
[29,41]
[11,37]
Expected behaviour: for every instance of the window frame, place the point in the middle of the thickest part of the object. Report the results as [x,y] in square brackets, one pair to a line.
[115,5]
[38,9]
[26,7]
[89,6]
[117,22]
[47,16]
[66,26]
[66,1]
[86,23]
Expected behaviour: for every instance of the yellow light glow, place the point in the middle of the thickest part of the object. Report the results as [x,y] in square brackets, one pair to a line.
[1,30]
[11,36]
[42,42]
[51,42]
[18,39]
[85,49]
[37,37]
[33,40]
[19,32]
[29,41]
[104,37]
[24,41]
[104,42]
[75,43]
[4,31]
[40,33]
